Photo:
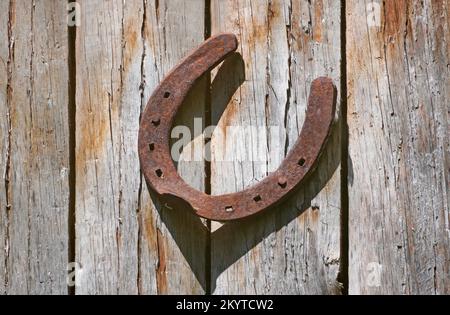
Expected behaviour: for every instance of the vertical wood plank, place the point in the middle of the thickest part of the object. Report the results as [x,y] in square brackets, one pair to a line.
[174,238]
[398,115]
[34,151]
[103,241]
[125,241]
[294,249]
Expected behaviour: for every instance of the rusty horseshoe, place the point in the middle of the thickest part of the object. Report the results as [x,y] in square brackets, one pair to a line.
[156,123]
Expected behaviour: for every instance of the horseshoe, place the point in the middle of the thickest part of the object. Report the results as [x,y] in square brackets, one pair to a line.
[159,169]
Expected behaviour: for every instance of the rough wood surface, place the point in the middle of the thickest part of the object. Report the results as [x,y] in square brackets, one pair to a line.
[34,149]
[125,243]
[398,116]
[178,238]
[398,91]
[284,45]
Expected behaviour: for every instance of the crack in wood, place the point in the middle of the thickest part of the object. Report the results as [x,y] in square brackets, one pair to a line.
[289,87]
[139,206]
[30,135]
[161,276]
[7,175]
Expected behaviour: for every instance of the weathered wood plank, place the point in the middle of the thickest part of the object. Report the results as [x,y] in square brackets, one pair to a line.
[398,116]
[285,45]
[106,231]
[34,150]
[175,237]
[125,242]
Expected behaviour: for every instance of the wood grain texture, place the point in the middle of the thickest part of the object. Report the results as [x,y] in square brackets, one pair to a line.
[398,84]
[175,236]
[106,219]
[34,149]
[125,242]
[284,45]
[398,116]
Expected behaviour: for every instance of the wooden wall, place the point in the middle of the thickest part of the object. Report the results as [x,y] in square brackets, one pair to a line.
[373,219]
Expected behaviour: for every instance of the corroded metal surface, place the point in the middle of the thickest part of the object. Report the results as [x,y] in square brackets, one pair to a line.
[159,169]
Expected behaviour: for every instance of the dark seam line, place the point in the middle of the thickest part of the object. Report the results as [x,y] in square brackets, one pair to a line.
[344,242]
[71,60]
[208,120]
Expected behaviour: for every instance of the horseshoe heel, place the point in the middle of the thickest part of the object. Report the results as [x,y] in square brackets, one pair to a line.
[159,169]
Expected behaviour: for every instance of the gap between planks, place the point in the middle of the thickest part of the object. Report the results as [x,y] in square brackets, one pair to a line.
[344,259]
[72,66]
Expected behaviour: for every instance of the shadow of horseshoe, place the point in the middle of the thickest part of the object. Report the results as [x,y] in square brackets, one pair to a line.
[191,230]
[155,154]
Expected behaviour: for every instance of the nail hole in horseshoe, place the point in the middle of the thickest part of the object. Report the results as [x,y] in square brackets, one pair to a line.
[151,146]
[156,122]
[159,173]
[229,209]
[282,184]
[301,162]
[257,198]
